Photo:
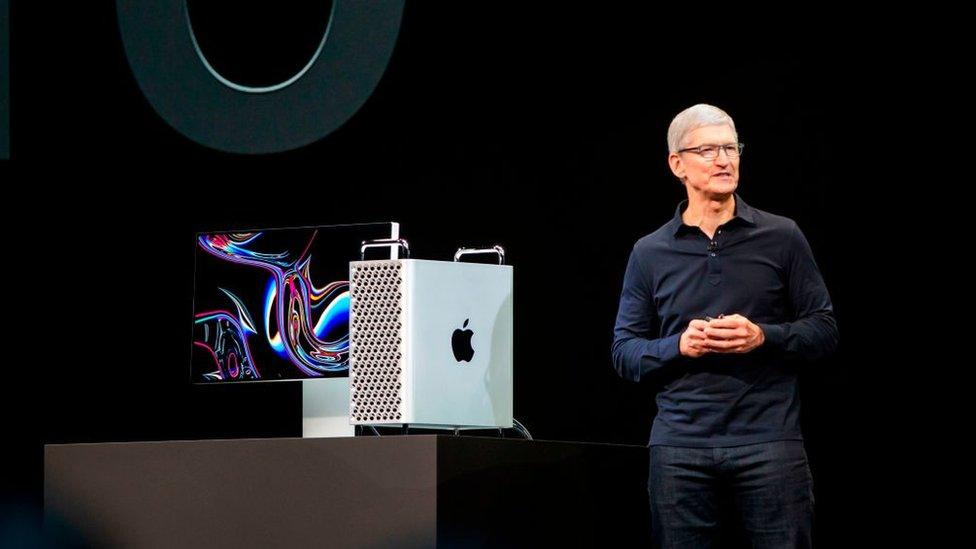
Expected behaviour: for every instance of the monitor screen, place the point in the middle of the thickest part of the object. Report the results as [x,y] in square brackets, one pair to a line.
[273,304]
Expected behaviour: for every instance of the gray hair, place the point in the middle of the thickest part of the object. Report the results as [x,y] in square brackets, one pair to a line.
[693,118]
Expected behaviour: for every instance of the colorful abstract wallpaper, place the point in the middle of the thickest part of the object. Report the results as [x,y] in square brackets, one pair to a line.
[274,304]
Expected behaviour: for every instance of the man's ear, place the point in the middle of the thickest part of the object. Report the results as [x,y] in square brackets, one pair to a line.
[677,166]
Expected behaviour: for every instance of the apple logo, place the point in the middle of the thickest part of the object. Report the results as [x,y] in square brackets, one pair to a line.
[461,343]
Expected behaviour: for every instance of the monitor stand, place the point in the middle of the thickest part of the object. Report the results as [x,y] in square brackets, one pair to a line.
[325,408]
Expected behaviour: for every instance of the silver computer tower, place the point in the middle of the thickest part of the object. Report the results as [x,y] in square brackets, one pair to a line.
[431,343]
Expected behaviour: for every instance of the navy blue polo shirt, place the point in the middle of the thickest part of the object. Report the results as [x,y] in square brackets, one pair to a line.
[758,265]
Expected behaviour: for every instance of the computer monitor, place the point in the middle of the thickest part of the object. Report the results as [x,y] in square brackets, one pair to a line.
[273,304]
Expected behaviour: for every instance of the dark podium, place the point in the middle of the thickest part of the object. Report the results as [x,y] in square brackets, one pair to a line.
[388,491]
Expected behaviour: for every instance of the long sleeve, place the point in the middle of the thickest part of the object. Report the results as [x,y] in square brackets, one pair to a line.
[634,352]
[813,332]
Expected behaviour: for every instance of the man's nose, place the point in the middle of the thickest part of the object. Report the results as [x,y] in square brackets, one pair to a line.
[719,157]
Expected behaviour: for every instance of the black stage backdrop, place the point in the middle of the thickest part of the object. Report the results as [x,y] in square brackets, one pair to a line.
[540,127]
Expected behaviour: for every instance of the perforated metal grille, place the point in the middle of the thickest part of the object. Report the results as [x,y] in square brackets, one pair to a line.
[376,351]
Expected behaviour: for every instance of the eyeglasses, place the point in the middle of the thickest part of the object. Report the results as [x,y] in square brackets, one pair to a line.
[710,152]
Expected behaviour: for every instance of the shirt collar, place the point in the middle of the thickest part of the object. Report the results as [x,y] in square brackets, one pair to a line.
[743,212]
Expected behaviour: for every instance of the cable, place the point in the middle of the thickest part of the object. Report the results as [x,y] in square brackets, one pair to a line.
[521,428]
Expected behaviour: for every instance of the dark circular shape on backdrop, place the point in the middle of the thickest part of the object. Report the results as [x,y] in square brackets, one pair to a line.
[255,44]
[169,69]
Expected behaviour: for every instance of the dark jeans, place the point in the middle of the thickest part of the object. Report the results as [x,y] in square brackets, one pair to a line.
[761,494]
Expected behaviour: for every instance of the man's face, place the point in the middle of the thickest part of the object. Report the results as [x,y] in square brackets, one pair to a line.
[717,177]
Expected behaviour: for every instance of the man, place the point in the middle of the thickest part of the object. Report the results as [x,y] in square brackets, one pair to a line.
[719,305]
